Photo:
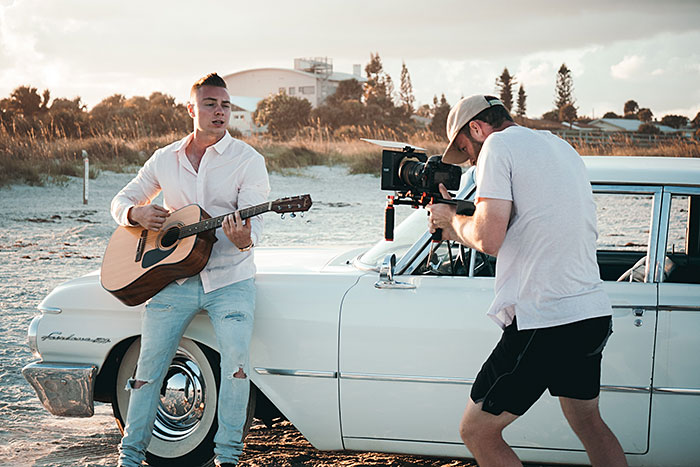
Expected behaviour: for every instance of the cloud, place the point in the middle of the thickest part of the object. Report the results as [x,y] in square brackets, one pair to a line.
[690,111]
[630,67]
[95,49]
[536,72]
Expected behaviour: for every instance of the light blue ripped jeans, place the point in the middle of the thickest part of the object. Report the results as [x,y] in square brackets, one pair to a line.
[165,319]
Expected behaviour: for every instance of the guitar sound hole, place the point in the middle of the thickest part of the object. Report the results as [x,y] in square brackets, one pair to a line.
[170,237]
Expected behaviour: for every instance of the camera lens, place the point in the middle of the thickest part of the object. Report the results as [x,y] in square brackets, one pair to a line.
[411,173]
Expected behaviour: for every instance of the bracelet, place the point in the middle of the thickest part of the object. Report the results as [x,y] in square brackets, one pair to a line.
[246,248]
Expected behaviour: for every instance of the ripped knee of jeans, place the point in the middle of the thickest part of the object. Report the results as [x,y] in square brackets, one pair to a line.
[132,384]
[236,316]
[240,374]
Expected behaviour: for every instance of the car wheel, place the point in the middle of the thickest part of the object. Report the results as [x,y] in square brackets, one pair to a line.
[183,433]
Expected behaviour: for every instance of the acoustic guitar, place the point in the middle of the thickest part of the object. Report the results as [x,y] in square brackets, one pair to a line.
[138,263]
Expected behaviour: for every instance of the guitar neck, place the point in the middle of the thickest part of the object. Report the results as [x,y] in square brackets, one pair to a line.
[215,222]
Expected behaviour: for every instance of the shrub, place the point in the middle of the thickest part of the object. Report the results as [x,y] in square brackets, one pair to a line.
[282,114]
[648,129]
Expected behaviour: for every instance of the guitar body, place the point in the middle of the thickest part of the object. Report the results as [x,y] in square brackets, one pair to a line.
[139,263]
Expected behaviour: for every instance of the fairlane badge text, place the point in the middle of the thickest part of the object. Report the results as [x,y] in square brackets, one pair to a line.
[58,336]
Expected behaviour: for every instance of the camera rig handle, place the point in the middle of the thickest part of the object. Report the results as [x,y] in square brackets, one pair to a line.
[464,208]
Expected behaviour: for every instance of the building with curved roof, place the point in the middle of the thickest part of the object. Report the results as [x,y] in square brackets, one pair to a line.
[312,79]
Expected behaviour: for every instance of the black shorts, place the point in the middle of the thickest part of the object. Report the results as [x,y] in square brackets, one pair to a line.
[564,359]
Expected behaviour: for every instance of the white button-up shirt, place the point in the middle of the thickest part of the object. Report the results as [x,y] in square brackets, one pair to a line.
[231,176]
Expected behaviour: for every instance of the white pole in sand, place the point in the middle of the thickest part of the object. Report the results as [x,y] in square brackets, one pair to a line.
[86,176]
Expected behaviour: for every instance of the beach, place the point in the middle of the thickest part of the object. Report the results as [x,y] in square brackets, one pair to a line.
[48,236]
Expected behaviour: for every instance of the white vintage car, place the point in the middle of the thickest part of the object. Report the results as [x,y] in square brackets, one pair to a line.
[376,350]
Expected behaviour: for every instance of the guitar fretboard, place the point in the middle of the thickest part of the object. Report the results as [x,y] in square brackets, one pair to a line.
[215,222]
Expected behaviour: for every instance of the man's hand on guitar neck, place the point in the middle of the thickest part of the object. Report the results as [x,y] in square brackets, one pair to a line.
[238,231]
[150,216]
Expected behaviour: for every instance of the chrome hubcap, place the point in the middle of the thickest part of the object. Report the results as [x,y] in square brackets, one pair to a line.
[182,399]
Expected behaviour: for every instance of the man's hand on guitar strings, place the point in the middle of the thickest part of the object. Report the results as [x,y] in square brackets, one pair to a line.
[149,216]
[237,230]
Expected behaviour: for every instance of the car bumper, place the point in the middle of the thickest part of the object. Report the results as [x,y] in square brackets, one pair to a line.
[65,389]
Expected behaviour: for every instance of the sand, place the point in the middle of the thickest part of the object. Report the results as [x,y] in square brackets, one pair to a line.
[47,236]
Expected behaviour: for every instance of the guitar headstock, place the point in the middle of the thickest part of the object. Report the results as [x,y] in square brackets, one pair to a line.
[299,203]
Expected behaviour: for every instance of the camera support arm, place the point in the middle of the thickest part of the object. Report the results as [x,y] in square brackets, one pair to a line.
[416,200]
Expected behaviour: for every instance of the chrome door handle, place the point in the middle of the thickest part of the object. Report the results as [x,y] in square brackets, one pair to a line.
[638,313]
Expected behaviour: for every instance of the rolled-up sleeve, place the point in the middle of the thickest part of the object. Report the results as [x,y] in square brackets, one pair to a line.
[139,191]
[254,190]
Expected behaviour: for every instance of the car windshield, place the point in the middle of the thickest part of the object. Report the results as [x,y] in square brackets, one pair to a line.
[409,231]
[405,235]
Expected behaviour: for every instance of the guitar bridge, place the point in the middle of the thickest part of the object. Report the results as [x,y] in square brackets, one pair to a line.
[141,246]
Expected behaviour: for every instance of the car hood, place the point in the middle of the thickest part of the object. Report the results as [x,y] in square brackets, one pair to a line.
[267,260]
[305,260]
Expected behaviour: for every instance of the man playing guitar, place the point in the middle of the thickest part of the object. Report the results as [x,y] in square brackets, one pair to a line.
[221,174]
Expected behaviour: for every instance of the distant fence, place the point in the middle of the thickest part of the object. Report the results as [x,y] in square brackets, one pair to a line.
[618,138]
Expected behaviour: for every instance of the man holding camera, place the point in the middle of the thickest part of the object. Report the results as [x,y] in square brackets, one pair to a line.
[535,212]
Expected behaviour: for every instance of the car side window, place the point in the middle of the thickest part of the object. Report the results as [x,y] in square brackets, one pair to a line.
[624,223]
[682,263]
[454,259]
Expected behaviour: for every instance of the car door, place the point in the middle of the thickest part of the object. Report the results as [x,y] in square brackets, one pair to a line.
[409,353]
[676,394]
[408,356]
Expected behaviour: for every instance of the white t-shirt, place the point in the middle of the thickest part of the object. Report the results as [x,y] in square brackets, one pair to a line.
[546,270]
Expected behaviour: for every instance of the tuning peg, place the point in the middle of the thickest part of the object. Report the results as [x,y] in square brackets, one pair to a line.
[301,214]
[282,216]
[292,215]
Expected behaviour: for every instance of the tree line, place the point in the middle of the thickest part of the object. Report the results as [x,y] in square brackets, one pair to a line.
[566,111]
[27,113]
[372,104]
[375,103]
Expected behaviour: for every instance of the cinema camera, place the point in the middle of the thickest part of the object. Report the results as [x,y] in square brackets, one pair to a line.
[415,179]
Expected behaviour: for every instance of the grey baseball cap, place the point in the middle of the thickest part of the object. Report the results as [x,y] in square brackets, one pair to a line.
[460,114]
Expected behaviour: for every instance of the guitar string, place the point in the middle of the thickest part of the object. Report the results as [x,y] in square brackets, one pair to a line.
[215,222]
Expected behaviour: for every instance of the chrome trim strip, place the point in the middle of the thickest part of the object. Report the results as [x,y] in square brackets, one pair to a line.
[683,391]
[49,309]
[464,381]
[662,232]
[625,189]
[635,307]
[32,336]
[610,388]
[659,209]
[682,190]
[299,373]
[406,378]
[678,308]
[447,380]
[401,440]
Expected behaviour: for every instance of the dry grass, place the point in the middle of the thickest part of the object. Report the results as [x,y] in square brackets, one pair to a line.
[359,156]
[314,146]
[36,160]
[667,149]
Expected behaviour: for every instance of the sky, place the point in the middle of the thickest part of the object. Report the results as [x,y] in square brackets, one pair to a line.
[617,50]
